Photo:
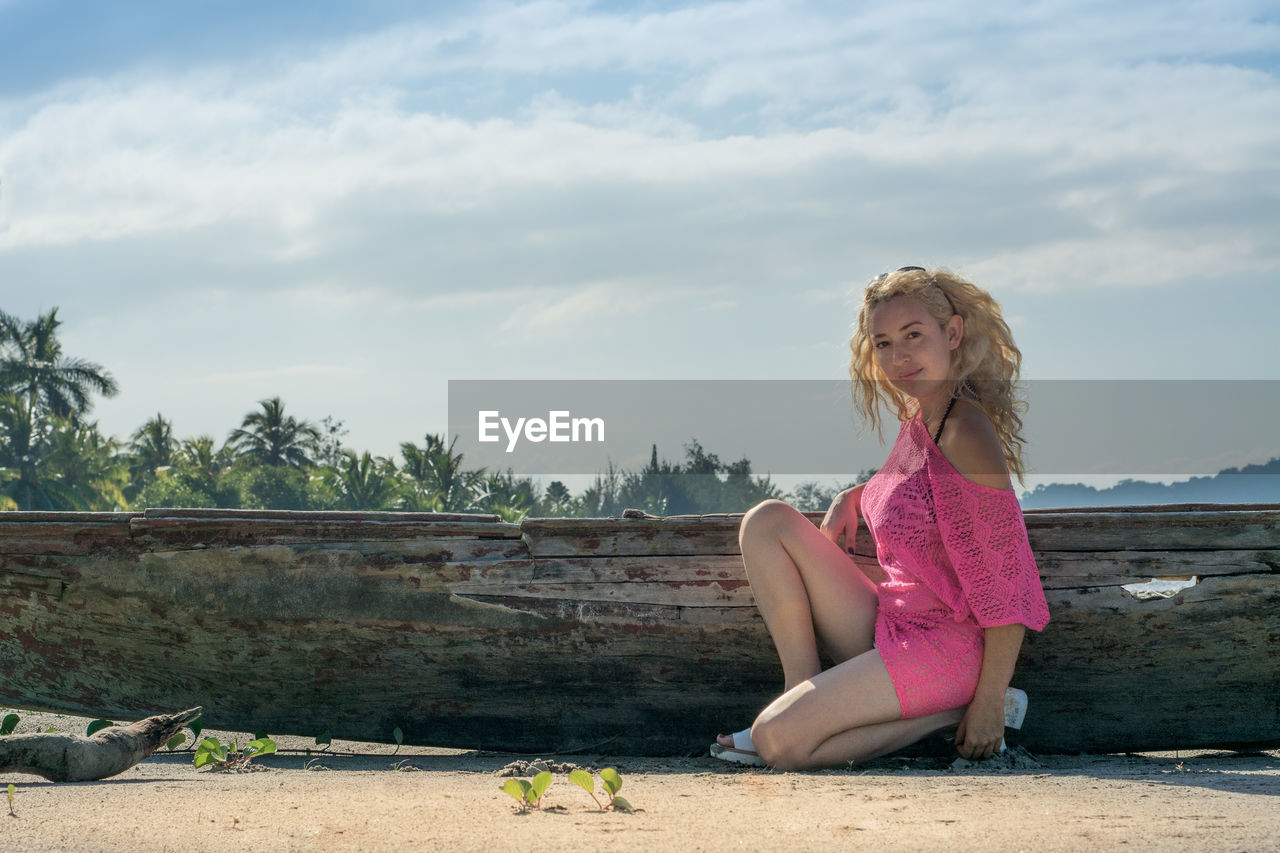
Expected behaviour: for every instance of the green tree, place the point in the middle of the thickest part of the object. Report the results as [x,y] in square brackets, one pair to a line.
[367,482]
[270,437]
[197,476]
[604,496]
[87,469]
[151,449]
[557,500]
[508,496]
[33,367]
[272,486]
[44,395]
[439,482]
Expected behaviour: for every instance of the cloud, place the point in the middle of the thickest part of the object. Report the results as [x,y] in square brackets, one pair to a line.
[524,145]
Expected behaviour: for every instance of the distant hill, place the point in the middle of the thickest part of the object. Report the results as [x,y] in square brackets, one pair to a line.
[1250,484]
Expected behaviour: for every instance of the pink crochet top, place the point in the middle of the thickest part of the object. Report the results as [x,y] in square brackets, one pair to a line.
[964,542]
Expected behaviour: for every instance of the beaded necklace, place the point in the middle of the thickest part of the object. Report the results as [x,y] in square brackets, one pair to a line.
[943,422]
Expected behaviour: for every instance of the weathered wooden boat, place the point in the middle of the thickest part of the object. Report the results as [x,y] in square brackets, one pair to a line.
[627,635]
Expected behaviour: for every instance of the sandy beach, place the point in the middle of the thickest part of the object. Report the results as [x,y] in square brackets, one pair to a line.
[426,799]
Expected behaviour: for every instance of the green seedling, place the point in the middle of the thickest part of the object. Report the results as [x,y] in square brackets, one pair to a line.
[176,741]
[399,738]
[9,723]
[528,793]
[611,780]
[97,726]
[212,752]
[197,726]
[11,812]
[324,739]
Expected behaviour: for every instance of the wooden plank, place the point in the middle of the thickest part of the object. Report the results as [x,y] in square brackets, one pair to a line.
[609,569]
[63,537]
[1132,529]
[706,593]
[66,517]
[1112,673]
[314,515]
[652,542]
[224,532]
[1072,569]
[1147,508]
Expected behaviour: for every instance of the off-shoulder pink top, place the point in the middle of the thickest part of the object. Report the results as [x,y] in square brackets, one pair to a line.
[956,561]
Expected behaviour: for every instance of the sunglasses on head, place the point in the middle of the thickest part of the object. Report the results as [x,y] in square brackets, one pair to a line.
[934,283]
[899,269]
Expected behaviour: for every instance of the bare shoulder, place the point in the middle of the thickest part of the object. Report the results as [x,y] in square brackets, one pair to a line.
[971,444]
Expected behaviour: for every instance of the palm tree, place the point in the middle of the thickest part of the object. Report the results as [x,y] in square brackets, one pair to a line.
[366,482]
[441,484]
[19,445]
[509,496]
[204,463]
[33,367]
[38,387]
[151,448]
[272,438]
[84,469]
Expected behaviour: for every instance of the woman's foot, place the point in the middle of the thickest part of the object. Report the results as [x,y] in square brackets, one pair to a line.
[737,748]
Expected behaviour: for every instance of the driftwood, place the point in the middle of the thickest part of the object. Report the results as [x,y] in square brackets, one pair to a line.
[632,634]
[69,758]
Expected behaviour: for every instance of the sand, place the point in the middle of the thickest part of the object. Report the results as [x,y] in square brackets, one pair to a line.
[427,799]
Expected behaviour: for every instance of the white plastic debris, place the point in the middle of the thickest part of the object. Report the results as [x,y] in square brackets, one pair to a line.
[1159,587]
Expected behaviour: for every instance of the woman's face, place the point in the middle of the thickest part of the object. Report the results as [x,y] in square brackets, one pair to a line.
[910,348]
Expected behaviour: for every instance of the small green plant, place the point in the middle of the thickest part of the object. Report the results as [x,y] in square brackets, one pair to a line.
[212,752]
[611,780]
[11,812]
[528,792]
[97,726]
[9,723]
[399,738]
[324,739]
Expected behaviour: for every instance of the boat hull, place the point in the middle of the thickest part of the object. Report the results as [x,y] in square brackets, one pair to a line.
[632,635]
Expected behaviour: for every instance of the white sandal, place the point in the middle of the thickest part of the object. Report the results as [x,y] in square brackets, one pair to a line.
[743,750]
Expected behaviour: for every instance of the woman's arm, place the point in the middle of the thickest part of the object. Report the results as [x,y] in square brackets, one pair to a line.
[982,728]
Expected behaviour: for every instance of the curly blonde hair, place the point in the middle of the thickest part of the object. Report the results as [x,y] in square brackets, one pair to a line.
[984,368]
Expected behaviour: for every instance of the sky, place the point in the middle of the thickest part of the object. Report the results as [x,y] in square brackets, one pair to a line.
[352,206]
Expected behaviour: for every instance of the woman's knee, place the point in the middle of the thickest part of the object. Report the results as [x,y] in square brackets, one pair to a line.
[767,518]
[773,743]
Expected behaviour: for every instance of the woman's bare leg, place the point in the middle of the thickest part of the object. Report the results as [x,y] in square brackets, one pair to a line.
[847,713]
[807,589]
[810,592]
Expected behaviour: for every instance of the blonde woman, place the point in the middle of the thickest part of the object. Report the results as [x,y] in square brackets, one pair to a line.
[931,646]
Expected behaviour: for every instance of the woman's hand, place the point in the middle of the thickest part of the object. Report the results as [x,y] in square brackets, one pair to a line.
[841,522]
[982,729]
